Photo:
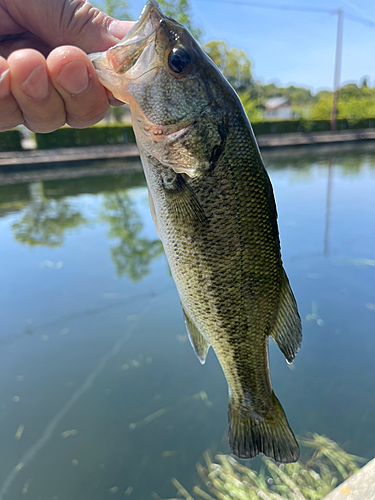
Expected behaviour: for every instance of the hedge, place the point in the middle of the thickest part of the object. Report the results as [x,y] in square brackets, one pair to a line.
[290,126]
[94,136]
[10,141]
[123,134]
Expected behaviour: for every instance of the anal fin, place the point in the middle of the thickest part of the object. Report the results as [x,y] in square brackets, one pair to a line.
[287,330]
[199,343]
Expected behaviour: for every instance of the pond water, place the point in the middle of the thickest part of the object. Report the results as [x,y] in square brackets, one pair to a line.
[101,394]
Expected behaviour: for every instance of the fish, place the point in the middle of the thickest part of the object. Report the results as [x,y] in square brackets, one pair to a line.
[214,210]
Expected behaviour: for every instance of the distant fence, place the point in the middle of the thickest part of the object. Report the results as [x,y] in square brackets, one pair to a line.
[123,134]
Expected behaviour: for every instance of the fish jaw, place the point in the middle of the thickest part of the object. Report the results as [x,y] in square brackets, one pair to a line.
[123,57]
[107,77]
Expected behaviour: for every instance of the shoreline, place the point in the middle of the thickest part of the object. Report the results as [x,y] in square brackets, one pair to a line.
[267,143]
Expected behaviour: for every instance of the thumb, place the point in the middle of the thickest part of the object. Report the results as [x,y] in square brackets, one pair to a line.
[68,22]
[90,29]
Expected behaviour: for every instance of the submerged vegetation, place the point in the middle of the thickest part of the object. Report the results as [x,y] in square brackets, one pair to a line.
[224,478]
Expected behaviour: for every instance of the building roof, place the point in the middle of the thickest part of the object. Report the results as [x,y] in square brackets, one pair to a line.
[276,102]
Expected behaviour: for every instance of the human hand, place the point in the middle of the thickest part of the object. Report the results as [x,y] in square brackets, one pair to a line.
[45,87]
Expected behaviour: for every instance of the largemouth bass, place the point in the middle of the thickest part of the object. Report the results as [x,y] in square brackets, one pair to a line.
[213,207]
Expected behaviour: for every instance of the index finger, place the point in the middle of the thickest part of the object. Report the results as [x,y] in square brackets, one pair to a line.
[73,76]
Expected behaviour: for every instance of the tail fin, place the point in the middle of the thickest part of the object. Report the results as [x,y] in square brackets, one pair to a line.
[271,436]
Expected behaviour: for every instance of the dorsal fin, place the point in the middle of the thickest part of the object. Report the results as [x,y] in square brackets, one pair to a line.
[199,343]
[287,330]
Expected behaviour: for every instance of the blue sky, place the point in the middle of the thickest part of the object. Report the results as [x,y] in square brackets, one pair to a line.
[291,47]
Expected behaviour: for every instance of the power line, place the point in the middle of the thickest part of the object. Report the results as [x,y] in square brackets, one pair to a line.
[362,13]
[361,20]
[273,6]
[277,6]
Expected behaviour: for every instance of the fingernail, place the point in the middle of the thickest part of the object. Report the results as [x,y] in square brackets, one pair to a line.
[74,78]
[36,85]
[4,84]
[119,29]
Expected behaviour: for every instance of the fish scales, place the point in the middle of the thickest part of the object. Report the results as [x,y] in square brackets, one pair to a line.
[213,207]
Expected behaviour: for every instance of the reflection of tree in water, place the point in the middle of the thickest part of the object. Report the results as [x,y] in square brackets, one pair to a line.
[133,254]
[45,221]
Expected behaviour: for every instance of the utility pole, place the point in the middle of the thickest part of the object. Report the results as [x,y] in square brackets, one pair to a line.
[336,80]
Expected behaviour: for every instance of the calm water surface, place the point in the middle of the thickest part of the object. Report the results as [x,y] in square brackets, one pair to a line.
[101,395]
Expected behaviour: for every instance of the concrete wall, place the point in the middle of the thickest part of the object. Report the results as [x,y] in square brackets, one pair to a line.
[361,486]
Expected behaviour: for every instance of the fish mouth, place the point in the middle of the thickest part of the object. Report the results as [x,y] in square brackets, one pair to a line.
[123,56]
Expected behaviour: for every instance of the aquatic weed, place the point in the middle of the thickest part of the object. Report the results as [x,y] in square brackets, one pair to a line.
[225,478]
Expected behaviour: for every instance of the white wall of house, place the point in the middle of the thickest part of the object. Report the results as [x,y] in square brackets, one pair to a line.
[283,112]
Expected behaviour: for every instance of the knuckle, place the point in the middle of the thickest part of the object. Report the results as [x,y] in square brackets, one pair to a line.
[87,117]
[44,128]
[76,16]
[45,122]
[10,115]
[11,124]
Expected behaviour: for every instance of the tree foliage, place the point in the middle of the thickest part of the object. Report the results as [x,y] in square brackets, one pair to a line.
[119,9]
[44,222]
[133,253]
[251,107]
[322,109]
[232,62]
[180,11]
[354,102]
[298,96]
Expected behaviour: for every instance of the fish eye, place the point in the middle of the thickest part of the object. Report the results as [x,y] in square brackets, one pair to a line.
[179,60]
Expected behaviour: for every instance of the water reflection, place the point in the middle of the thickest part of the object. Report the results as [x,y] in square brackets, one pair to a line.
[133,254]
[106,358]
[46,219]
[328,208]
[44,222]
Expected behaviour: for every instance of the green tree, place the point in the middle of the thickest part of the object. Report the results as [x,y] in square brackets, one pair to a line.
[133,253]
[299,97]
[45,223]
[180,11]
[353,104]
[118,9]
[322,109]
[323,93]
[355,109]
[251,107]
[232,62]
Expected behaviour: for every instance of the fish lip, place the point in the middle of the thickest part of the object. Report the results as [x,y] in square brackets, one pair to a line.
[150,8]
[125,54]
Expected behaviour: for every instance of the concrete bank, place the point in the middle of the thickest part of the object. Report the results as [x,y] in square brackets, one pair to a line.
[301,139]
[64,155]
[361,486]
[266,143]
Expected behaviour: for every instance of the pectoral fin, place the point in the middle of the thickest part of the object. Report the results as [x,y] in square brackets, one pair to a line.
[287,330]
[200,345]
[184,205]
[153,213]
